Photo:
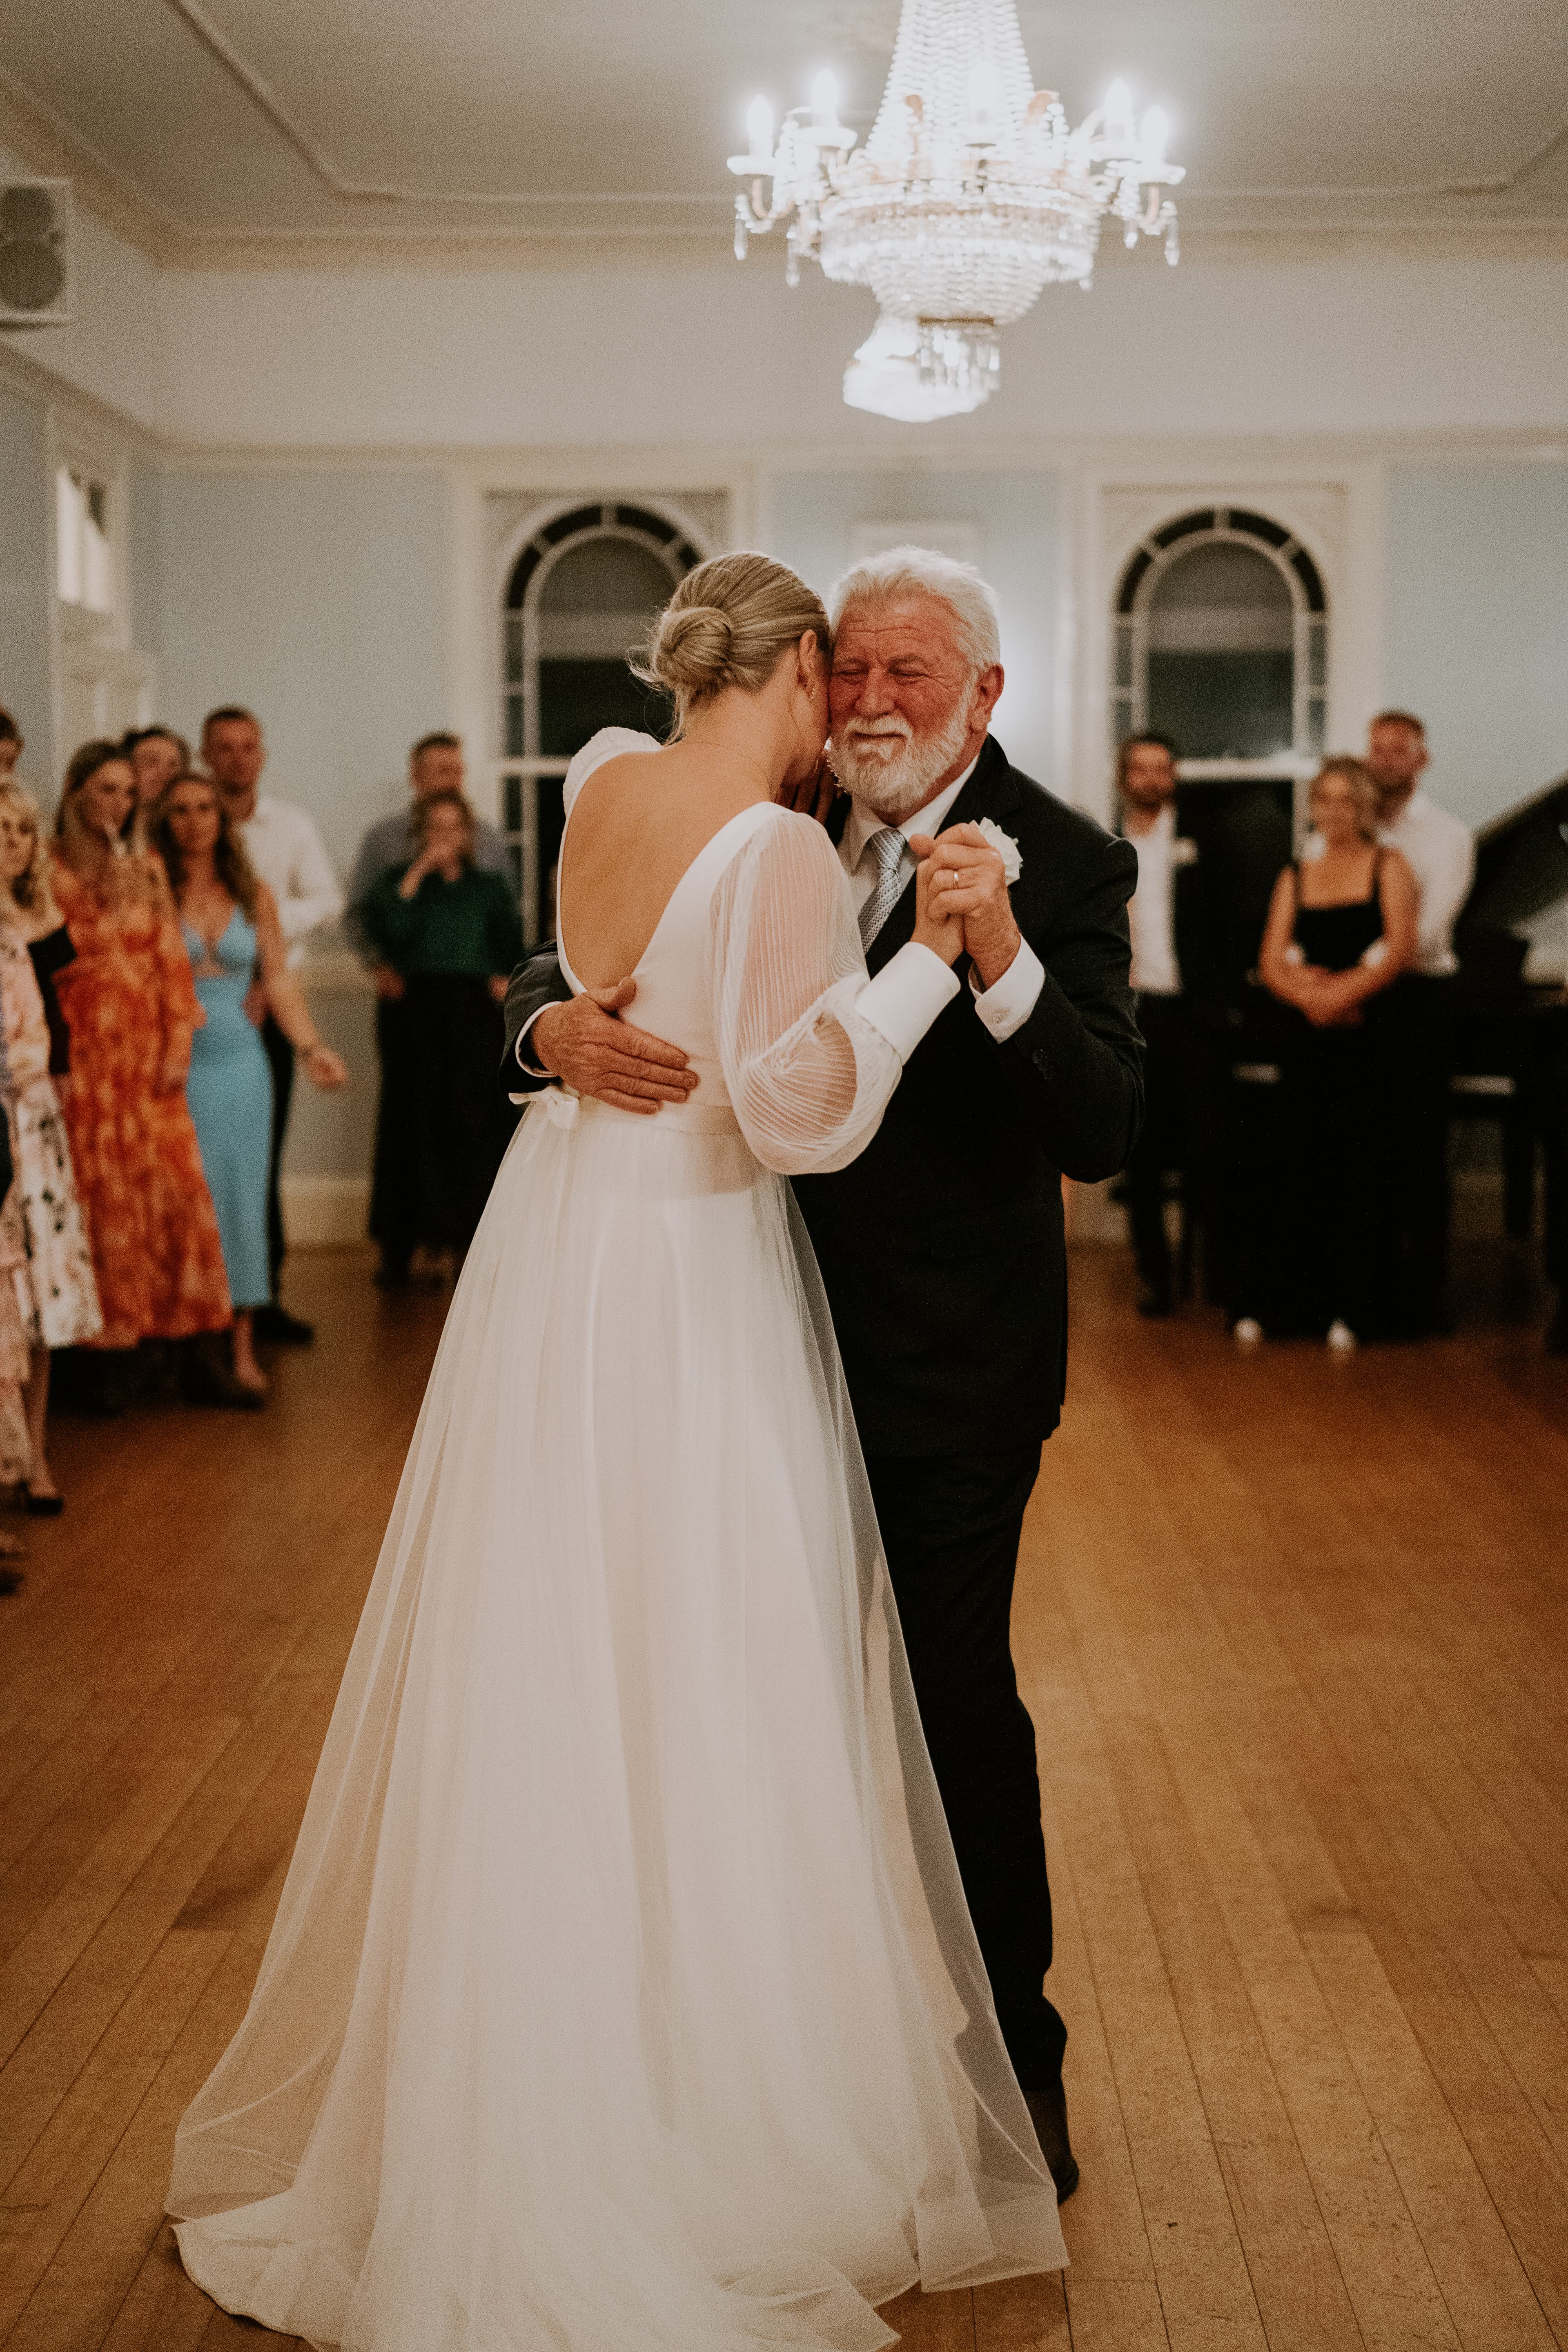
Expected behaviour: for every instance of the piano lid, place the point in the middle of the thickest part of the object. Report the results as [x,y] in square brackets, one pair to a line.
[1522,862]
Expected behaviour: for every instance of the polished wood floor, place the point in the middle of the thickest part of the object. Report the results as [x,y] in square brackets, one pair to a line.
[1293,1632]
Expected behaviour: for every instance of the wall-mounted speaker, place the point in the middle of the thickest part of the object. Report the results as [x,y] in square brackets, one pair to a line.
[35,284]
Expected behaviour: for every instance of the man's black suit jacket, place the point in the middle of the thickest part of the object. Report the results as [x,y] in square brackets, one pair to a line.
[942,1247]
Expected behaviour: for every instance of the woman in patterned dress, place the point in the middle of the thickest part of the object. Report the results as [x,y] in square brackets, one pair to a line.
[131,1005]
[57,1292]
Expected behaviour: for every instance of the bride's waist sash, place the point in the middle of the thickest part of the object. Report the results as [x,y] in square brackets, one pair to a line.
[680,1118]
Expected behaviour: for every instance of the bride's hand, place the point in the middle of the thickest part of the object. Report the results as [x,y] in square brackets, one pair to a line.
[943,934]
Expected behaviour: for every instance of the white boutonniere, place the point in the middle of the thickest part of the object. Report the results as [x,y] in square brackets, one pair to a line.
[1006,847]
[1184,850]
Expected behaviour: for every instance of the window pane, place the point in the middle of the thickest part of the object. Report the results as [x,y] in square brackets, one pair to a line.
[98,572]
[69,518]
[1223,706]
[577,698]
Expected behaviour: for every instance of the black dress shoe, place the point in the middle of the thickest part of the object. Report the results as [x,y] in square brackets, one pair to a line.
[285,1330]
[1154,1304]
[1048,2113]
[1557,1330]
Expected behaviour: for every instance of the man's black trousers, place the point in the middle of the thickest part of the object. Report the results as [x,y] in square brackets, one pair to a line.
[1186,1080]
[949,1526]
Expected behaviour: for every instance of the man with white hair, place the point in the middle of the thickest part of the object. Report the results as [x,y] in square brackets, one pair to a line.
[942,1247]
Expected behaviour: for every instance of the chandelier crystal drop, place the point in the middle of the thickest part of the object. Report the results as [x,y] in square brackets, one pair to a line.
[969,195]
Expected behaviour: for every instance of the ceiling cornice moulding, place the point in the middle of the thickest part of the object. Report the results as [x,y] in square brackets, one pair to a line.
[674,231]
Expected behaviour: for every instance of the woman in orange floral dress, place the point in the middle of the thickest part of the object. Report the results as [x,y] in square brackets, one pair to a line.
[130,1004]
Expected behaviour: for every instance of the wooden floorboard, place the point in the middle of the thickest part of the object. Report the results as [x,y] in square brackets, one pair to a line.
[1293,1634]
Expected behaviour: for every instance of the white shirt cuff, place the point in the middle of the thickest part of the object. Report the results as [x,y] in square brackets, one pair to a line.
[532,1068]
[906,996]
[1006,1007]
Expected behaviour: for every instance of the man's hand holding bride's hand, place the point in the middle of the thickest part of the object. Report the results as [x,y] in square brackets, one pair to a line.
[942,933]
[815,794]
[970,881]
[583,1042]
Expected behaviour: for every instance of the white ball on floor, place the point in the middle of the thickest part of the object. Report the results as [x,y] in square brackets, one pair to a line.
[1248,1330]
[1341,1338]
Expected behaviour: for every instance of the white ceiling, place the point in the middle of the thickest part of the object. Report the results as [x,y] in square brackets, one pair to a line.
[532,116]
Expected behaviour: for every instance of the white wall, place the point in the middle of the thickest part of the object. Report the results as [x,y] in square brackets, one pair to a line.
[1478,631]
[25,542]
[475,358]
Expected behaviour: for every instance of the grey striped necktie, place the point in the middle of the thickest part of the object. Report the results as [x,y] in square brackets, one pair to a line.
[888,848]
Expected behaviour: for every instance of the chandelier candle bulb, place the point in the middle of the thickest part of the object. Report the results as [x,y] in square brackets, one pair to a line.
[1120,132]
[760,130]
[1155,136]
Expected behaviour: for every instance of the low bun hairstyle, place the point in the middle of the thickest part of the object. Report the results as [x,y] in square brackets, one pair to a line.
[727,625]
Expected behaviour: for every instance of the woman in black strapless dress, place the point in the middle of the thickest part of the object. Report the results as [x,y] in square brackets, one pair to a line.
[1341,930]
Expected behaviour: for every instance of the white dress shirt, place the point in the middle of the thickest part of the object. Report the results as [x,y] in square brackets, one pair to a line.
[1151,913]
[1004,1008]
[282,843]
[1440,851]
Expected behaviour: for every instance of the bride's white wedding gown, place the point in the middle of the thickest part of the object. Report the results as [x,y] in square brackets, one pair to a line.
[622,1997]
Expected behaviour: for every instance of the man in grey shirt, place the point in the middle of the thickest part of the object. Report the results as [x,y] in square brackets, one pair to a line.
[434,764]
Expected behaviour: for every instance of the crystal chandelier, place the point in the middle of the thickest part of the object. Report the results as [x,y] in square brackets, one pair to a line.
[969,195]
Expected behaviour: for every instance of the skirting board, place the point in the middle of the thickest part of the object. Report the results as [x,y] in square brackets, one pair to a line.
[325,1211]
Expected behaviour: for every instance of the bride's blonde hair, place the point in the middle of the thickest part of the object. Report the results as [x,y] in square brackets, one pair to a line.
[727,625]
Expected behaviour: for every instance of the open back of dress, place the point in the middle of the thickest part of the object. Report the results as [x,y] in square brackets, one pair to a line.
[622,1997]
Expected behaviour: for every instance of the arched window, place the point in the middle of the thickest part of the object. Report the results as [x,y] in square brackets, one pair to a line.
[1222,643]
[580,593]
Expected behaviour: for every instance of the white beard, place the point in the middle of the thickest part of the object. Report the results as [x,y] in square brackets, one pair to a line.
[895,782]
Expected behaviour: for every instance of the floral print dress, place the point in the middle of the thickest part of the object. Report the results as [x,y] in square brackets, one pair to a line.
[129,997]
[57,1292]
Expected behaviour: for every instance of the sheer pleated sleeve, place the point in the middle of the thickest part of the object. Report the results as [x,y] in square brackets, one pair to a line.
[811,1049]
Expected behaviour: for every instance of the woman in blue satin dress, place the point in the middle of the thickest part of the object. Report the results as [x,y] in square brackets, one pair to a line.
[235,941]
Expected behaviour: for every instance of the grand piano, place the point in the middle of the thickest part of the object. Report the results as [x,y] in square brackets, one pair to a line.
[1506,1034]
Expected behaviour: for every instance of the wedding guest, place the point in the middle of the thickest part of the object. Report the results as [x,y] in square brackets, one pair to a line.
[286,853]
[451,932]
[1195,915]
[131,1005]
[1341,930]
[157,756]
[60,1293]
[1440,851]
[434,764]
[12,743]
[232,934]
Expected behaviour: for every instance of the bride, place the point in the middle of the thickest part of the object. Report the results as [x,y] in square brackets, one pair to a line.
[622,1996]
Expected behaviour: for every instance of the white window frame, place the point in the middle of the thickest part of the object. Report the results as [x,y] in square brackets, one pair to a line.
[530,766]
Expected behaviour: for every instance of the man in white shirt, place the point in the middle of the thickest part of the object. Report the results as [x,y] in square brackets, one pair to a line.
[1440,849]
[1441,853]
[284,846]
[1180,1120]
